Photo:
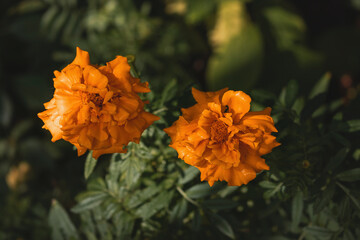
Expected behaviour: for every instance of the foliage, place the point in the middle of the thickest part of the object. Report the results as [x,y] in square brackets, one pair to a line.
[254,45]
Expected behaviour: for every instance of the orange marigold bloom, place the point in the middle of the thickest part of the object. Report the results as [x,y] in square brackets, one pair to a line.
[97,107]
[220,137]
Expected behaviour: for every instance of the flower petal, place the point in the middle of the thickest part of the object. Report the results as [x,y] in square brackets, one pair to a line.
[238,103]
[82,58]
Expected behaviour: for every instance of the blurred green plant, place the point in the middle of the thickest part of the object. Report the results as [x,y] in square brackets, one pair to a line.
[309,193]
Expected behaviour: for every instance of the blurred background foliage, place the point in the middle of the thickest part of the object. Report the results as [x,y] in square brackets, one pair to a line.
[302,58]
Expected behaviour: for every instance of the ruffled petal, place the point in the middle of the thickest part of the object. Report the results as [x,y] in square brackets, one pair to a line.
[238,103]
[82,58]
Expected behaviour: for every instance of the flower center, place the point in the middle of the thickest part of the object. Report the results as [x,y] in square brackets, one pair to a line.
[219,131]
[96,99]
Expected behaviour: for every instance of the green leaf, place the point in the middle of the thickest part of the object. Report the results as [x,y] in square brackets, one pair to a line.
[222,225]
[323,200]
[179,211]
[318,232]
[141,196]
[156,204]
[132,168]
[90,164]
[169,91]
[347,191]
[312,105]
[353,125]
[321,86]
[220,204]
[227,191]
[199,191]
[351,175]
[91,200]
[291,93]
[60,223]
[267,184]
[336,160]
[297,209]
[124,224]
[189,174]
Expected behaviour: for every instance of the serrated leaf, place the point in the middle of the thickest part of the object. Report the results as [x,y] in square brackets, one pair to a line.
[90,164]
[124,224]
[60,223]
[92,200]
[132,168]
[156,204]
[291,93]
[141,196]
[222,225]
[297,209]
[351,175]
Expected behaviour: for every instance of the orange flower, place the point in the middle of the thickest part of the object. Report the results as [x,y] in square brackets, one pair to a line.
[97,107]
[220,137]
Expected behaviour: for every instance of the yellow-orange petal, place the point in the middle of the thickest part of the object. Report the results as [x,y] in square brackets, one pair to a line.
[51,120]
[259,120]
[94,77]
[238,103]
[205,97]
[82,57]
[112,149]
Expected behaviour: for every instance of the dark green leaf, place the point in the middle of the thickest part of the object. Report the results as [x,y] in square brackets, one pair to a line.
[222,225]
[312,105]
[60,223]
[291,93]
[189,174]
[336,160]
[199,190]
[220,204]
[297,209]
[351,175]
[318,232]
[169,91]
[92,200]
[156,204]
[141,196]
[324,199]
[89,165]
[179,211]
[321,86]
[347,191]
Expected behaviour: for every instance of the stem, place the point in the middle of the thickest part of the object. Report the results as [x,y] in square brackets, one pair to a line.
[186,196]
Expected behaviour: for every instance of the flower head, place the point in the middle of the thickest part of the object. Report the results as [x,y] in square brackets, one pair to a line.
[220,137]
[97,107]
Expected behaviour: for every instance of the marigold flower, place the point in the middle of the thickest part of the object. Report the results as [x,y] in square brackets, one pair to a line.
[220,137]
[97,107]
